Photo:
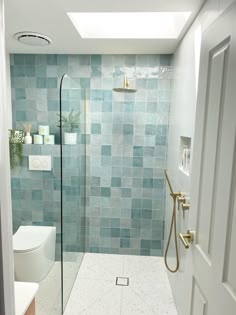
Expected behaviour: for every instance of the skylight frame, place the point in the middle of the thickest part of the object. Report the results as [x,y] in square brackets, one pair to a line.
[129,25]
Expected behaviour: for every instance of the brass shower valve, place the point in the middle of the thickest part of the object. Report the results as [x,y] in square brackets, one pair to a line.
[181,199]
[184,201]
[185,206]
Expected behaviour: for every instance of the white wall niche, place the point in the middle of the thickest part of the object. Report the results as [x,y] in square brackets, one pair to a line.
[185,155]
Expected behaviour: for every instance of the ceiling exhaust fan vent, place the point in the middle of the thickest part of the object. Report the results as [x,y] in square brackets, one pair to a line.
[33,39]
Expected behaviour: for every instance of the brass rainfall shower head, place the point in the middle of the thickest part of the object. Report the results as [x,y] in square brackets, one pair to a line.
[125,88]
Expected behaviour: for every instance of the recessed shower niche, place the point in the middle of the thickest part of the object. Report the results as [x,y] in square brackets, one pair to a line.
[185,155]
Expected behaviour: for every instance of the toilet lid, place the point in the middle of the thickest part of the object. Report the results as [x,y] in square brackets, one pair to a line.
[28,238]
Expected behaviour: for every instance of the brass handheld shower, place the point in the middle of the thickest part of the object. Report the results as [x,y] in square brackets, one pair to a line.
[174,195]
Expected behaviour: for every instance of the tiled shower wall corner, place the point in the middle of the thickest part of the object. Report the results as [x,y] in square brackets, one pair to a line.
[126,142]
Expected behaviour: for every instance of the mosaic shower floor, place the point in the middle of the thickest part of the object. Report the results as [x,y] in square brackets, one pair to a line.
[96,292]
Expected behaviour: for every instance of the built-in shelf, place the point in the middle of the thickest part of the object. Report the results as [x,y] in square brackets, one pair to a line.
[185,155]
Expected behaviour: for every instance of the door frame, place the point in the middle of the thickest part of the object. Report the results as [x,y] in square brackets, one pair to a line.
[7,300]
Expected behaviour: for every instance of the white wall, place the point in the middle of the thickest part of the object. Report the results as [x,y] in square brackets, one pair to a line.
[8,91]
[182,120]
[7,306]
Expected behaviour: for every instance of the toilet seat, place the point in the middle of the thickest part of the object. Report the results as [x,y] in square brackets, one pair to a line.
[29,238]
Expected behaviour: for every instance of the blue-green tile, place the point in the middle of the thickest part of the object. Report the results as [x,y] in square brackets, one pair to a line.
[147,203]
[53,105]
[62,60]
[137,203]
[29,59]
[137,161]
[130,60]
[136,213]
[95,128]
[146,214]
[20,115]
[165,60]
[20,93]
[152,84]
[96,60]
[161,140]
[105,191]
[52,83]
[150,130]
[96,71]
[136,223]
[115,222]
[15,183]
[106,150]
[30,71]
[128,129]
[19,59]
[96,95]
[41,83]
[153,60]
[137,151]
[129,107]
[105,232]
[116,182]
[115,232]
[105,222]
[52,59]
[36,194]
[18,71]
[125,233]
[106,106]
[85,83]
[148,182]
[146,244]
[106,95]
[145,252]
[124,243]
[84,60]
[156,244]
[126,192]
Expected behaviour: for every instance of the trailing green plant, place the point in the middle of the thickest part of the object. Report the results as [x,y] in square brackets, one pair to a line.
[16,139]
[71,121]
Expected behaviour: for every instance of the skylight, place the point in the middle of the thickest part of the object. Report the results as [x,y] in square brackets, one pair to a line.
[132,25]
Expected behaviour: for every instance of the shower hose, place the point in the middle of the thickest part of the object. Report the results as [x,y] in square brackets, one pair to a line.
[172,226]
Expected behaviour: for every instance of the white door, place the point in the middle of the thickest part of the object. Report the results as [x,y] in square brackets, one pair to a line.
[213,204]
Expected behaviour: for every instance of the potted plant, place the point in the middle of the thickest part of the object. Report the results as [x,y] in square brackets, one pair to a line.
[16,139]
[70,123]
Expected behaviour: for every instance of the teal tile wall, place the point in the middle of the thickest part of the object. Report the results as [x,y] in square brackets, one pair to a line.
[36,195]
[126,143]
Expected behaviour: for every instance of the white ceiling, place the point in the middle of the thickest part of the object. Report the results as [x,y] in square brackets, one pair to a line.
[49,17]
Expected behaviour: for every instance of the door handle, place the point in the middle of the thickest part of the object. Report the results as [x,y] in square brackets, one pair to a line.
[187,238]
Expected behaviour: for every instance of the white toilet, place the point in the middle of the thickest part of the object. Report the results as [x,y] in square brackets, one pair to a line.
[34,252]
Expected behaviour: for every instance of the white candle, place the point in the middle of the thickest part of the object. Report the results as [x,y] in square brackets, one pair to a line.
[50,139]
[38,139]
[44,130]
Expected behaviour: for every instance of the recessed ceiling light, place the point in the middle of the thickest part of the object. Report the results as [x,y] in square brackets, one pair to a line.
[136,25]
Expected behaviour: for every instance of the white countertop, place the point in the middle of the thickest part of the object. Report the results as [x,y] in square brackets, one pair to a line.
[24,294]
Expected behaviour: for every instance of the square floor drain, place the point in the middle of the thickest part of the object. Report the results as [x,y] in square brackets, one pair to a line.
[122,281]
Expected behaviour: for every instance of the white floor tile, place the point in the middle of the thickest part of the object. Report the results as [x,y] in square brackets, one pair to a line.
[88,294]
[95,291]
[132,304]
[145,269]
[101,266]
[158,297]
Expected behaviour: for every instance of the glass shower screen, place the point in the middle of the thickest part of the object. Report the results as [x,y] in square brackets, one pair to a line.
[73,177]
